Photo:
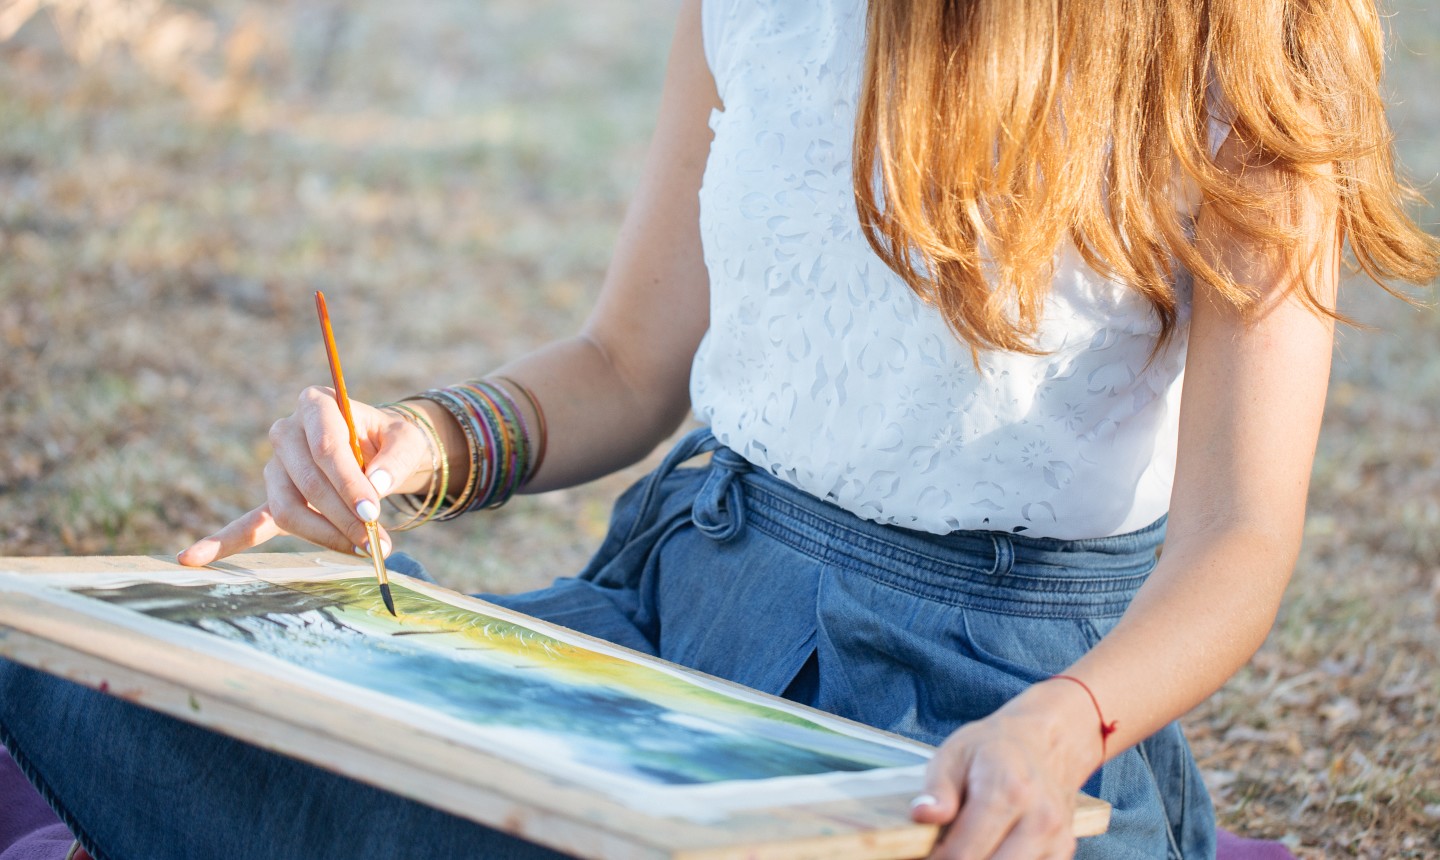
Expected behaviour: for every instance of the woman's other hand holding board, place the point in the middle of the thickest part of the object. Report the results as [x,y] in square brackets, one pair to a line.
[1008,782]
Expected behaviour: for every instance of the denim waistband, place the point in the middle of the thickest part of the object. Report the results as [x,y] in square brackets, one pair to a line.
[997,571]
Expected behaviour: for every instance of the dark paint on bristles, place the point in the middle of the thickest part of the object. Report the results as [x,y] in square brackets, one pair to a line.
[342,399]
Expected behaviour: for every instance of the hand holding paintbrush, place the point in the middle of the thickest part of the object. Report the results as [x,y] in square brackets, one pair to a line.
[368,511]
[317,484]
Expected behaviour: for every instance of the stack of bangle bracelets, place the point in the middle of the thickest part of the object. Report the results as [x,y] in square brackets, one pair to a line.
[504,454]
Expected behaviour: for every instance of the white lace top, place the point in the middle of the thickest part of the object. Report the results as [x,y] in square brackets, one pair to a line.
[822,367]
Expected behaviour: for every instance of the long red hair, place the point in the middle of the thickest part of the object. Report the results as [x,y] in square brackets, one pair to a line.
[991,131]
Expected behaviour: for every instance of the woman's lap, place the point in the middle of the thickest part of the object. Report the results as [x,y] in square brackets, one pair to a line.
[722,569]
[134,784]
[732,572]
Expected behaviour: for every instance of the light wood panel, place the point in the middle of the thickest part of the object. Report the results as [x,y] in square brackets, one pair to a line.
[230,697]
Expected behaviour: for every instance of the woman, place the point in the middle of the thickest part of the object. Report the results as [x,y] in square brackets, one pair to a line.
[980,302]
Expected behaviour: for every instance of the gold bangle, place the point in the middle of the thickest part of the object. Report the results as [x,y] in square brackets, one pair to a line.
[450,403]
[422,511]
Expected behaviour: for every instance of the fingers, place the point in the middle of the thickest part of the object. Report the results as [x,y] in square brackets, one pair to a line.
[314,485]
[939,803]
[1021,822]
[252,529]
[1046,831]
[306,505]
[309,521]
[996,805]
[326,446]
[315,472]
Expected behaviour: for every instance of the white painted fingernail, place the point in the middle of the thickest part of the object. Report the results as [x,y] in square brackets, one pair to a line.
[367,511]
[360,550]
[923,800]
[381,481]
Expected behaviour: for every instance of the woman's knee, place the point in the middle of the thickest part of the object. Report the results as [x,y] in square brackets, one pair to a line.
[111,766]
[30,700]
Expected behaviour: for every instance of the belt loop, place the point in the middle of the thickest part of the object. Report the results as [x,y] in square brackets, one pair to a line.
[1004,554]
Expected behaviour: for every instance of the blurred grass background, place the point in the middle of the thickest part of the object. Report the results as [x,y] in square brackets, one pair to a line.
[175,180]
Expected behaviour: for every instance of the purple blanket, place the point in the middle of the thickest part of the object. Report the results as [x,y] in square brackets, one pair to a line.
[28,829]
[1228,846]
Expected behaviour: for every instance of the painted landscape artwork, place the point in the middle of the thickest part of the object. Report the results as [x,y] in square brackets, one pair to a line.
[635,729]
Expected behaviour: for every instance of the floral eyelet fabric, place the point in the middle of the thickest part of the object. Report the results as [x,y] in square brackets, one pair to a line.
[824,369]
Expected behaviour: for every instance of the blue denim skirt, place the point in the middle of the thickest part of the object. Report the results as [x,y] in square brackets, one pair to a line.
[729,570]
[720,567]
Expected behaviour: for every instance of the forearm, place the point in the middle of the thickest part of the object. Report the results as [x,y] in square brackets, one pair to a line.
[601,415]
[1204,611]
[1254,392]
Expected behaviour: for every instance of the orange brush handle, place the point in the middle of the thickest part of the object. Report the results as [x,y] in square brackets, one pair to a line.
[341,397]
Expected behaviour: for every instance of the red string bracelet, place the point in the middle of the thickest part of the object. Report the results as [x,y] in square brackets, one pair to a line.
[1106,729]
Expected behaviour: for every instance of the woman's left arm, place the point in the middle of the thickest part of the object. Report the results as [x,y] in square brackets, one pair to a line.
[1254,392]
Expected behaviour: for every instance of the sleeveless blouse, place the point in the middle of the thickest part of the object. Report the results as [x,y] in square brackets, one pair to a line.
[823,368]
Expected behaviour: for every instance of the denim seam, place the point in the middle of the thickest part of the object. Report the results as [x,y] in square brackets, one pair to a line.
[1014,606]
[1124,581]
[1095,585]
[1080,546]
[1004,550]
[1091,585]
[828,555]
[43,789]
[791,509]
[1088,544]
[1175,852]
[1010,604]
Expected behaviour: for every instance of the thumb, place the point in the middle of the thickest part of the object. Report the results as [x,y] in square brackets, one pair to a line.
[403,462]
[939,801]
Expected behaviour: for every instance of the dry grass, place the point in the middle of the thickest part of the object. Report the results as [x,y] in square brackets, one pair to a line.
[454,182]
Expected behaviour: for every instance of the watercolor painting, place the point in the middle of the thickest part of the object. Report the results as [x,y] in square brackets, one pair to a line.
[634,728]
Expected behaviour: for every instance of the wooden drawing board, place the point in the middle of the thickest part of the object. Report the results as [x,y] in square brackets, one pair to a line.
[237,699]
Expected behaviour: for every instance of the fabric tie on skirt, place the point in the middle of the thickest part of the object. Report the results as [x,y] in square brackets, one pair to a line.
[719,511]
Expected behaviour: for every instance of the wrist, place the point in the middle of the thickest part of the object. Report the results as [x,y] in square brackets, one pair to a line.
[1064,722]
[453,440]
[503,443]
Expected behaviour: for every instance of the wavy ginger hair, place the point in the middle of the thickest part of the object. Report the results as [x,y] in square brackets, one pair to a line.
[990,131]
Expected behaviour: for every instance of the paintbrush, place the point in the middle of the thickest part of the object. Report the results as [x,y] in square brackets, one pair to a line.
[372,528]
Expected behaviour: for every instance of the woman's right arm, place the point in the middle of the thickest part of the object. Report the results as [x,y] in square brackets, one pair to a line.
[610,394]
